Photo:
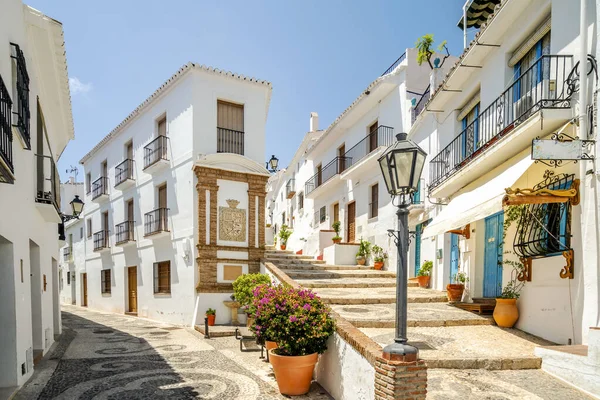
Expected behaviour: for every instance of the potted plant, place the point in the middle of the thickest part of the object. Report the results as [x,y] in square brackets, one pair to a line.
[299,322]
[379,257]
[336,227]
[424,274]
[243,289]
[364,250]
[425,51]
[284,235]
[211,314]
[455,290]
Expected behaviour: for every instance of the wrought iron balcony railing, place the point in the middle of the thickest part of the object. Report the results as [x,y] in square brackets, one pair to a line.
[418,108]
[326,173]
[22,100]
[394,65]
[156,151]
[290,188]
[230,141]
[543,85]
[7,168]
[99,187]
[101,240]
[47,181]
[156,221]
[382,136]
[124,232]
[123,171]
[67,251]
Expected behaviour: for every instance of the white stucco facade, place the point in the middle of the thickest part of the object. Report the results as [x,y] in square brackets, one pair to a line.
[29,200]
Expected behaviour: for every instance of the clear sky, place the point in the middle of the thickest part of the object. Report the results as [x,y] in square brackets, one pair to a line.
[319,55]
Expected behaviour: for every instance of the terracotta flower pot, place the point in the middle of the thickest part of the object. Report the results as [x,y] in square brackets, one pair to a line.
[378,264]
[249,321]
[270,346]
[282,246]
[424,281]
[211,320]
[455,292]
[337,241]
[293,374]
[360,260]
[506,312]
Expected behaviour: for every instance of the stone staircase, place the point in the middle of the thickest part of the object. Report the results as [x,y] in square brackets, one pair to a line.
[448,337]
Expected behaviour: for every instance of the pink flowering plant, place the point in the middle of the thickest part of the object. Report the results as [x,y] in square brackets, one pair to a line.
[296,319]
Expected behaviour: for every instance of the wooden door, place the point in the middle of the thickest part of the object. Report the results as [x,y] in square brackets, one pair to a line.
[129,151]
[162,204]
[319,175]
[130,211]
[84,286]
[341,159]
[418,230]
[492,256]
[351,222]
[373,137]
[336,212]
[104,169]
[132,282]
[454,256]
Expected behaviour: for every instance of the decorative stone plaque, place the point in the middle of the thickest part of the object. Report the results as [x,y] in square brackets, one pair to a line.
[232,222]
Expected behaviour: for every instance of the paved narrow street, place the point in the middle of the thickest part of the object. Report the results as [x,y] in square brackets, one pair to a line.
[109,356]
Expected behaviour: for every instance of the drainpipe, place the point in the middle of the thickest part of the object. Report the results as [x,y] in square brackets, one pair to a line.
[465,24]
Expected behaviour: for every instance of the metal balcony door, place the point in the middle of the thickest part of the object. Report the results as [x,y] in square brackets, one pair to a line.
[492,267]
[351,222]
[373,138]
[454,256]
[84,302]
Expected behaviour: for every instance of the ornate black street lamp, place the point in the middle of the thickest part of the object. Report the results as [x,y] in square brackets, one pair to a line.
[76,209]
[272,163]
[401,165]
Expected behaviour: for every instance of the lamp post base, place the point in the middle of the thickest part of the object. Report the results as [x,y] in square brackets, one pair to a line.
[399,351]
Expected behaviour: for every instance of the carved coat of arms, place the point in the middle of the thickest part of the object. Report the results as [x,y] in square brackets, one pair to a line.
[232,222]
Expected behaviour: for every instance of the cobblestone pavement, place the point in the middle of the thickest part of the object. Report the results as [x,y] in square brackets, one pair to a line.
[110,356]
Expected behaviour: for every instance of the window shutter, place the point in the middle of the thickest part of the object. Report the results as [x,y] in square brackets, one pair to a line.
[155,277]
[102,280]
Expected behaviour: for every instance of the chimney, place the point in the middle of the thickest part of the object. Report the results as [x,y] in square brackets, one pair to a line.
[314,121]
[71,179]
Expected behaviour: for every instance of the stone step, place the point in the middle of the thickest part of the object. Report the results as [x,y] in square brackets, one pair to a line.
[323,267]
[469,347]
[419,314]
[378,296]
[374,282]
[288,257]
[328,274]
[293,261]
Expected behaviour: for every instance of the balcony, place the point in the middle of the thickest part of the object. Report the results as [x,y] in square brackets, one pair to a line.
[22,99]
[67,254]
[156,155]
[290,189]
[156,223]
[101,241]
[230,141]
[124,233]
[507,126]
[394,64]
[382,136]
[124,175]
[100,189]
[7,170]
[420,105]
[47,196]
[330,170]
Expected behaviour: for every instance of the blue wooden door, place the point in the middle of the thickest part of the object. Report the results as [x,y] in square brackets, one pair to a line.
[418,230]
[492,268]
[454,256]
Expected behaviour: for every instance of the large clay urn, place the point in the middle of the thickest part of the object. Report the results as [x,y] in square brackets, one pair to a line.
[506,313]
[454,292]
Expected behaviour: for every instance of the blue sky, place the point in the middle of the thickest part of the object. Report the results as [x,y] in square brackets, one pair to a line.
[319,55]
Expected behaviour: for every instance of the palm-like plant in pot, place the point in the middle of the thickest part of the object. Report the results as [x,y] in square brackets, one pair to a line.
[379,257]
[336,227]
[424,274]
[455,290]
[299,322]
[364,250]
[284,235]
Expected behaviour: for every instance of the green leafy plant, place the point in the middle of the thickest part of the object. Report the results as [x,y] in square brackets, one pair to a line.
[378,254]
[460,278]
[512,290]
[211,311]
[244,285]
[426,268]
[284,234]
[425,50]
[336,227]
[297,319]
[364,249]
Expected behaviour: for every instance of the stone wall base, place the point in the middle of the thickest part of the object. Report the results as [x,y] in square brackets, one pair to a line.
[400,380]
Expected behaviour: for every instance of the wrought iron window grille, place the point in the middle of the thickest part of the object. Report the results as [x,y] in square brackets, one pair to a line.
[23,114]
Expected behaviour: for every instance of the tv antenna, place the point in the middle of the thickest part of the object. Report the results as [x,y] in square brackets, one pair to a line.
[73,171]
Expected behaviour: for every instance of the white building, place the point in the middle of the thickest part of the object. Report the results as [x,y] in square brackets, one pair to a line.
[35,126]
[334,174]
[147,250]
[512,84]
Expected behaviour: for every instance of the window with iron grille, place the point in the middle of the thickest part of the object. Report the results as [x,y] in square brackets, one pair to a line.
[21,90]
[68,278]
[162,277]
[81,233]
[105,281]
[89,228]
[322,214]
[6,138]
[300,201]
[374,205]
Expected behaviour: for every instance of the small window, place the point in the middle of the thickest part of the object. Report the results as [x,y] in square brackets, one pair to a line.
[162,277]
[322,214]
[88,183]
[68,278]
[81,233]
[162,126]
[283,218]
[105,280]
[300,201]
[60,280]
[89,228]
[374,205]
